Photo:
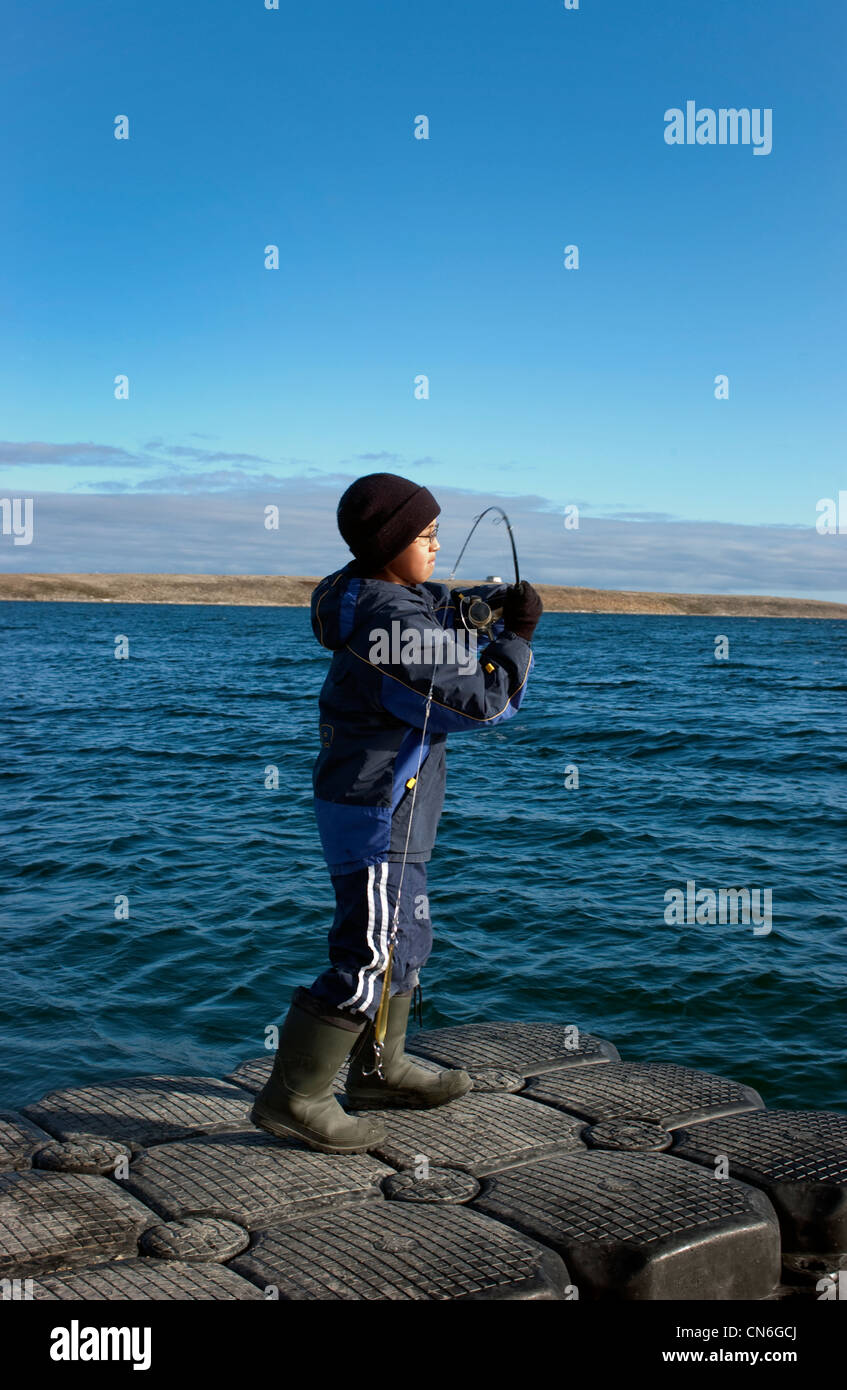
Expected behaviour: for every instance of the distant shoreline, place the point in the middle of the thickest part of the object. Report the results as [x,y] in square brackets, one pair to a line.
[294,591]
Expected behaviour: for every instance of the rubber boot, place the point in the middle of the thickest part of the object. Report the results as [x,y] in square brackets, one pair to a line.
[405,1084]
[298,1100]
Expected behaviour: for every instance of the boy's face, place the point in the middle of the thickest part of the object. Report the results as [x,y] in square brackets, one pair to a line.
[416,563]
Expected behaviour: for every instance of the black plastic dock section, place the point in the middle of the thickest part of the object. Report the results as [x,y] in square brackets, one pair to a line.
[566,1173]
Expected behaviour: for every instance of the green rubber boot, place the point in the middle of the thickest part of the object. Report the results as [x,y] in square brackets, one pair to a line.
[298,1100]
[405,1084]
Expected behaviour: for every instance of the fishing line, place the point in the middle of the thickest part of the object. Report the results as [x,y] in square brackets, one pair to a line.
[381,1021]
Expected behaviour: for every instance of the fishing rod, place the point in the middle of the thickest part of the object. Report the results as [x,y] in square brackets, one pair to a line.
[479,615]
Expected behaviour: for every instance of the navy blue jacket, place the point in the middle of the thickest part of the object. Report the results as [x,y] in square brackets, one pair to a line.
[385,641]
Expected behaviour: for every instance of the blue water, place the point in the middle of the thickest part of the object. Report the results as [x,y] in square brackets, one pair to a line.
[146,777]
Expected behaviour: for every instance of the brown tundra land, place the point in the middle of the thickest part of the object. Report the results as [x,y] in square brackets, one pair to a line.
[292,591]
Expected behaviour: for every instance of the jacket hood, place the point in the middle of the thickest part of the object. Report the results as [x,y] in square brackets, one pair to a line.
[345,601]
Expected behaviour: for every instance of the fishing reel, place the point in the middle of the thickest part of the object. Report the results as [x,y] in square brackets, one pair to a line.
[477,615]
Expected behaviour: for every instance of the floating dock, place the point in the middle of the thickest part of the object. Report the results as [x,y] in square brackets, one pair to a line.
[565,1173]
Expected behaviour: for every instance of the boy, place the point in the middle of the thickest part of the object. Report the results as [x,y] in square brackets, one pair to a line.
[380,756]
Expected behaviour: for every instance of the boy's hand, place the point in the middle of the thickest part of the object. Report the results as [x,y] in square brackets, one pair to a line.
[522,609]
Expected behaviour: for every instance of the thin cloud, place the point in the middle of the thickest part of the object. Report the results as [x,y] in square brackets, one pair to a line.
[177,451]
[219,527]
[32,453]
[615,514]
[87,454]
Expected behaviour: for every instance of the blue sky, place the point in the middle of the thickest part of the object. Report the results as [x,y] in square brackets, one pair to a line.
[442,257]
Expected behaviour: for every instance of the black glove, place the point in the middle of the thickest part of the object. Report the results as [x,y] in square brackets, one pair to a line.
[522,608]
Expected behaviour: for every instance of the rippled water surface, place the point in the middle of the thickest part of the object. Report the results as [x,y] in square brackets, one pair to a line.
[146,778]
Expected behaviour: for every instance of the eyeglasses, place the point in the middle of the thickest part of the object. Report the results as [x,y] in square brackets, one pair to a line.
[429,536]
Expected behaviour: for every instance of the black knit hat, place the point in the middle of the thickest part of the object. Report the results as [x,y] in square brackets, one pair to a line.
[380,514]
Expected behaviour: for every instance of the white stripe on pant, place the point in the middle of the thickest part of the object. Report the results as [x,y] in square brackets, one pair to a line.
[369,974]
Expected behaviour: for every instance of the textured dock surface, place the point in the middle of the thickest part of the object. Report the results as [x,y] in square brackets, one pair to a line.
[566,1173]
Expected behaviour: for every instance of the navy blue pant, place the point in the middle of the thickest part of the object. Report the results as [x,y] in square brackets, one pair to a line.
[360,933]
